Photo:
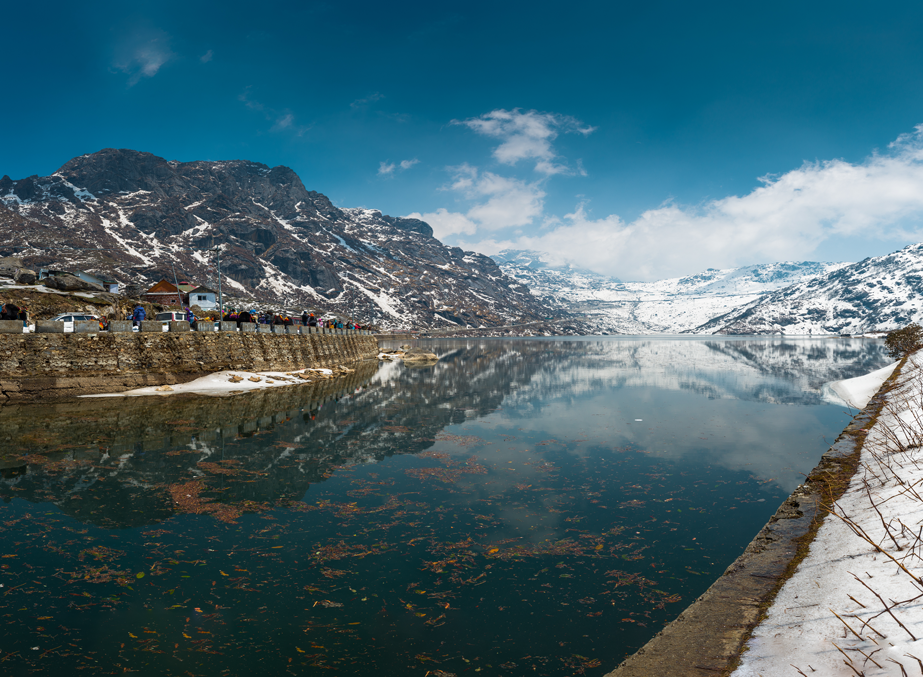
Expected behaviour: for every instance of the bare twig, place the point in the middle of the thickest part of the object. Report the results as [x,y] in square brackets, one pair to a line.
[887,608]
[903,672]
[869,626]
[910,655]
[858,636]
[869,656]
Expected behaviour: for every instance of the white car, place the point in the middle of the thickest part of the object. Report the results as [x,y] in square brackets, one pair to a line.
[170,317]
[69,318]
[166,318]
[174,316]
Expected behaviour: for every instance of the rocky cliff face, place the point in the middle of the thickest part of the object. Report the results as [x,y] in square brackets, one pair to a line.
[134,216]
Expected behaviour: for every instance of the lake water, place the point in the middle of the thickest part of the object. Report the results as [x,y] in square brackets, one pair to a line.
[535,507]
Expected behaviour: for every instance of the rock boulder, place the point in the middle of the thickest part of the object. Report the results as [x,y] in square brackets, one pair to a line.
[24,276]
[67,282]
[9,265]
[420,355]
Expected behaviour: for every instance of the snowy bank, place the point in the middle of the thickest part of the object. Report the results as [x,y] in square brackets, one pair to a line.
[854,605]
[234,382]
[856,392]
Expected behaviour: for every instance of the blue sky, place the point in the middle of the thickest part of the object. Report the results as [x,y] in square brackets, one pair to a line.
[644,140]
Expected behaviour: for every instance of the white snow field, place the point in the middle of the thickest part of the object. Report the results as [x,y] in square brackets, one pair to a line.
[223,383]
[856,392]
[855,604]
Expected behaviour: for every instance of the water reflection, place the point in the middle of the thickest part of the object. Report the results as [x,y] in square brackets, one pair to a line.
[553,387]
[521,507]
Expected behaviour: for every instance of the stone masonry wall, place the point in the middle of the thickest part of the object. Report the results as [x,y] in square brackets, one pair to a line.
[53,366]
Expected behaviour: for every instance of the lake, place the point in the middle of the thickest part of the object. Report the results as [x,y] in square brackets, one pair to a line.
[539,507]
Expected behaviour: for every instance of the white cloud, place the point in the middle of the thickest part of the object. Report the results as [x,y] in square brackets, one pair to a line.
[388,168]
[248,102]
[282,121]
[371,98]
[499,202]
[446,223]
[142,54]
[527,135]
[510,202]
[785,218]
[208,56]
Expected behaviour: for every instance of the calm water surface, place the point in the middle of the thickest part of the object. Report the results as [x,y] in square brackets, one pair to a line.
[524,507]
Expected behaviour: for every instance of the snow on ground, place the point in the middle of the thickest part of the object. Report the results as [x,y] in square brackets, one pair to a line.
[873,582]
[856,392]
[223,383]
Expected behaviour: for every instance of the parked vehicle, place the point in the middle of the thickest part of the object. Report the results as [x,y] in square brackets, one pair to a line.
[175,316]
[69,318]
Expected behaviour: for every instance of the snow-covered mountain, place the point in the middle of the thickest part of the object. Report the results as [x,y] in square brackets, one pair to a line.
[877,294]
[134,217]
[676,305]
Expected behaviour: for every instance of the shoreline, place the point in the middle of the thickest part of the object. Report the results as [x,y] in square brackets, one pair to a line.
[48,367]
[735,604]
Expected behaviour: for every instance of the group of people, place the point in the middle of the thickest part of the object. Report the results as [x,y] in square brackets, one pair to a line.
[307,319]
[10,311]
[256,317]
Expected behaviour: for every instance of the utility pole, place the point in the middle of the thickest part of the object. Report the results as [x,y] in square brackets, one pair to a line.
[220,302]
[179,295]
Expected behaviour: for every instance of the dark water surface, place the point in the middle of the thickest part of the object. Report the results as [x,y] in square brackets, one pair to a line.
[523,507]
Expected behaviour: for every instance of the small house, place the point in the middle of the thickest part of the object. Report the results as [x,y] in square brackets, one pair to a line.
[166,294]
[186,287]
[203,297]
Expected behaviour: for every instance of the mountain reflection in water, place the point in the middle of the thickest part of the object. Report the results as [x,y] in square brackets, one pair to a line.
[503,511]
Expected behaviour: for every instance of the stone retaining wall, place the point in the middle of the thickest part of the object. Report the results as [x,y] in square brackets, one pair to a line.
[125,422]
[53,366]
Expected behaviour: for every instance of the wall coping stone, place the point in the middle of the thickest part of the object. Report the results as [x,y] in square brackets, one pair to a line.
[10,326]
[179,325]
[120,326]
[49,327]
[86,327]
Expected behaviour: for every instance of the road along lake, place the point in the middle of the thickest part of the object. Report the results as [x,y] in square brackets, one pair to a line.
[522,507]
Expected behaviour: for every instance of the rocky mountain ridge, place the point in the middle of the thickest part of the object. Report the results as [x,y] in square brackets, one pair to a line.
[876,294]
[137,217]
[677,305]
